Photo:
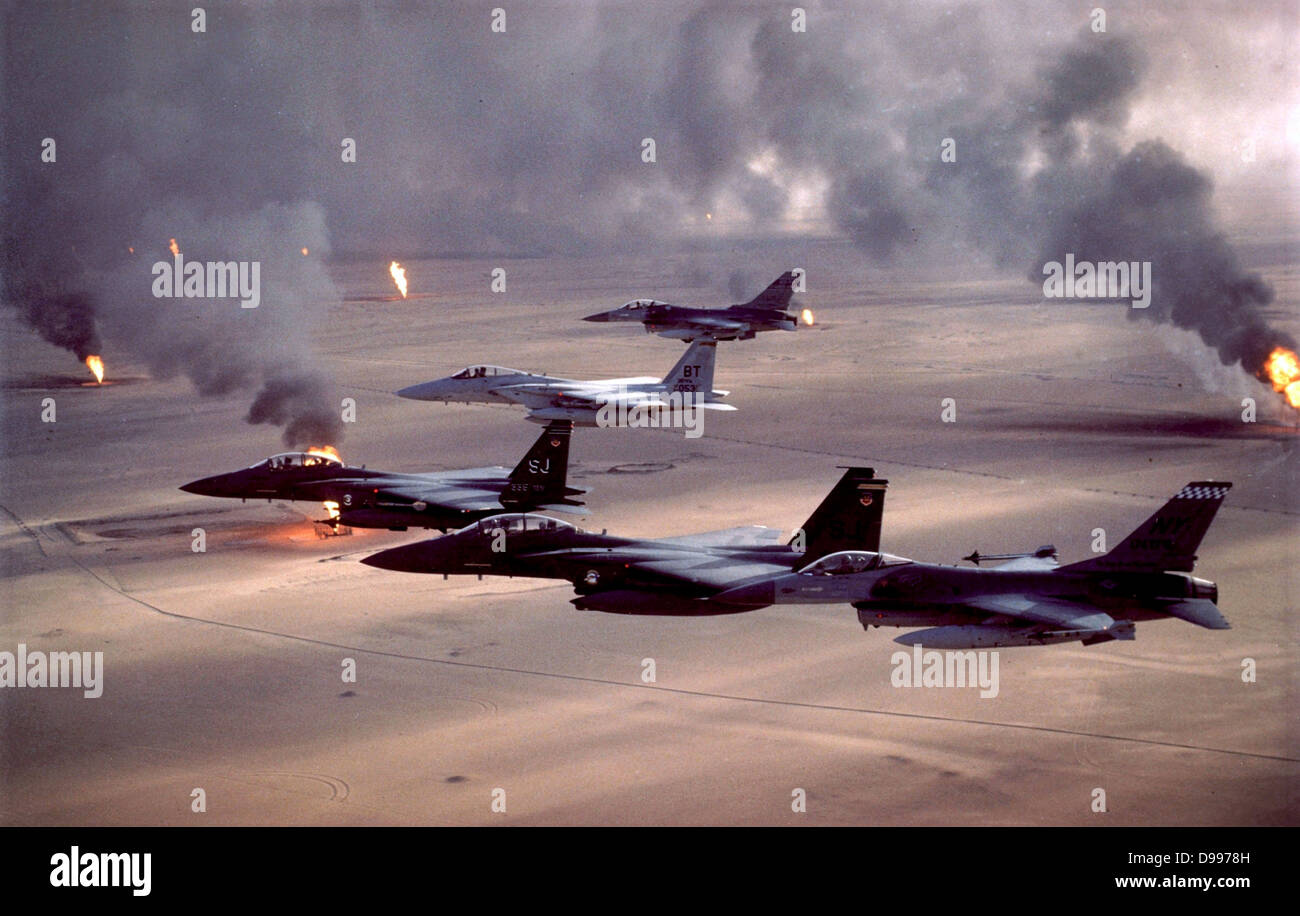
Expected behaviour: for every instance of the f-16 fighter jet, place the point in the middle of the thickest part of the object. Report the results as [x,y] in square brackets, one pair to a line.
[663,576]
[674,400]
[765,312]
[1028,600]
[445,500]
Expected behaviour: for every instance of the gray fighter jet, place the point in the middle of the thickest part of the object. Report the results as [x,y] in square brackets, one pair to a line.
[765,312]
[673,400]
[361,498]
[680,576]
[1028,600]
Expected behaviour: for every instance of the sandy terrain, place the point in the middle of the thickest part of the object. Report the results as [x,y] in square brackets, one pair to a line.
[222,669]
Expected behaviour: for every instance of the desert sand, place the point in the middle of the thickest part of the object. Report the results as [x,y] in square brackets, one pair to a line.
[223,668]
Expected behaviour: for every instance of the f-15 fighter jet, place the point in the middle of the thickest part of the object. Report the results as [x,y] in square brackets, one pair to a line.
[673,400]
[664,576]
[765,312]
[1028,600]
[362,498]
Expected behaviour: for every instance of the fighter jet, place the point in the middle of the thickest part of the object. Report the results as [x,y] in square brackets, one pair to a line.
[765,312]
[673,576]
[670,401]
[1026,601]
[444,500]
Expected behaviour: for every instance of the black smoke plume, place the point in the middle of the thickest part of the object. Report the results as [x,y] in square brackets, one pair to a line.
[528,142]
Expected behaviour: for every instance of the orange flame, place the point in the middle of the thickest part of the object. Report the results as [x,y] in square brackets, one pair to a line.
[305,252]
[328,451]
[175,249]
[1283,370]
[399,277]
[332,508]
[96,366]
[807,316]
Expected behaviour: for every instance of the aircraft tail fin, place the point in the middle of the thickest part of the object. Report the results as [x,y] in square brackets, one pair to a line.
[849,518]
[540,478]
[1167,541]
[694,371]
[777,296]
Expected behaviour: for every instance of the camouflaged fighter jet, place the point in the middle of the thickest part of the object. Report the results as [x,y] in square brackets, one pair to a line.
[673,576]
[685,389]
[381,499]
[1026,601]
[765,312]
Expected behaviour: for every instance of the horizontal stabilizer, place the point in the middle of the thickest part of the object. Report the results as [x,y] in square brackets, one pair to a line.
[1200,611]
[744,536]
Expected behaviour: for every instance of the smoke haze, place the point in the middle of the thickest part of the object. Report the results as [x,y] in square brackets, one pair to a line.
[529,142]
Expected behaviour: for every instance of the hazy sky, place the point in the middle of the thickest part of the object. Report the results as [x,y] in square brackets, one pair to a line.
[469,139]
[530,141]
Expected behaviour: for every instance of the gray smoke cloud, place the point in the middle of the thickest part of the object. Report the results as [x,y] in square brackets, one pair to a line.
[529,142]
[65,318]
[293,400]
[1153,206]
[156,141]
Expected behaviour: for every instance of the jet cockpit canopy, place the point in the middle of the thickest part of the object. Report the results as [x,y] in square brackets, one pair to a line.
[518,523]
[485,372]
[845,562]
[290,460]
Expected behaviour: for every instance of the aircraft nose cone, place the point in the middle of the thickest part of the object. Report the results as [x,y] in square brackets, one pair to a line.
[381,560]
[425,391]
[599,316]
[207,486]
[418,557]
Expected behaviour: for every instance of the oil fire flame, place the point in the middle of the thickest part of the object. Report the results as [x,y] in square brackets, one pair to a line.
[96,366]
[399,277]
[332,508]
[807,316]
[175,249]
[1283,370]
[327,451]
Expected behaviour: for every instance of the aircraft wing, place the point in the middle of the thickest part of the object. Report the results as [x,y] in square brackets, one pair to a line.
[629,382]
[712,571]
[444,496]
[530,395]
[744,536]
[538,397]
[666,560]
[465,499]
[597,398]
[463,489]
[1056,612]
[1028,564]
[715,572]
[710,323]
